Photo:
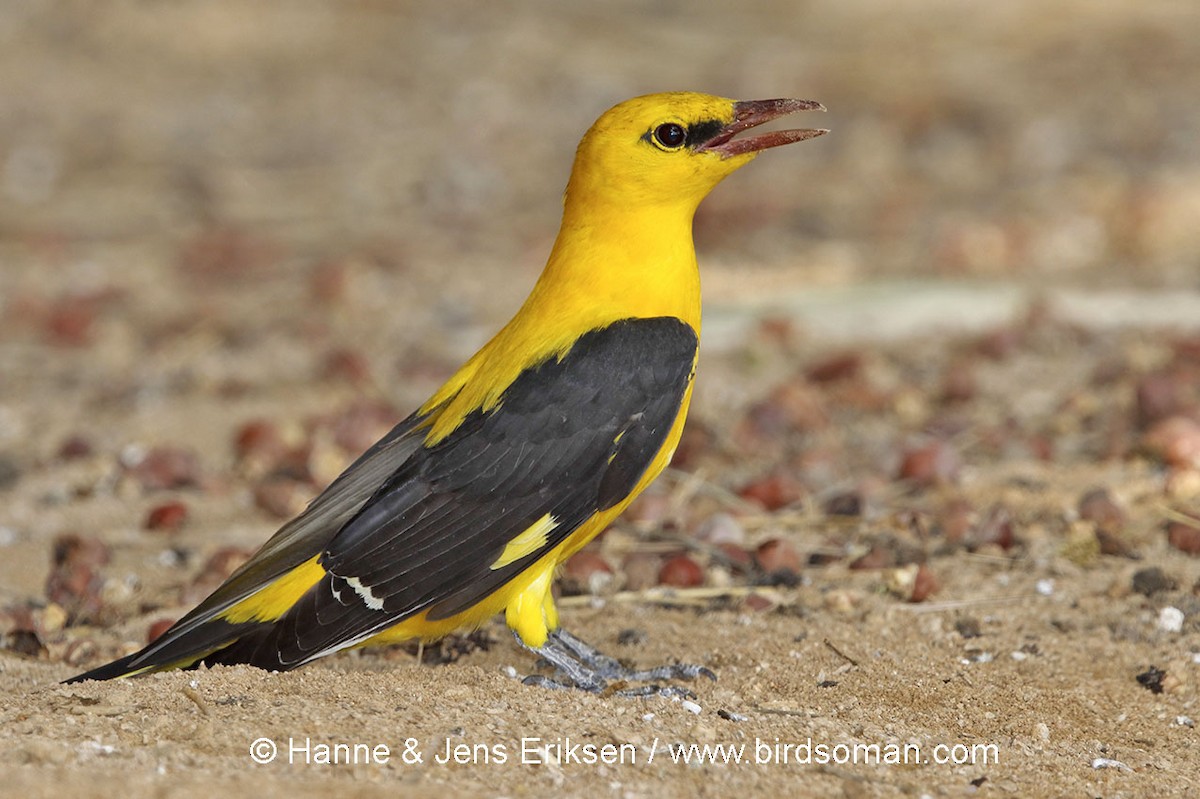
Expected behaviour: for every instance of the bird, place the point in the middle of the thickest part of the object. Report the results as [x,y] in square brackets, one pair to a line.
[467,507]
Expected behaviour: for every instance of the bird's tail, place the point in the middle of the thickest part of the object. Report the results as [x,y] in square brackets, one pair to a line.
[178,648]
[122,667]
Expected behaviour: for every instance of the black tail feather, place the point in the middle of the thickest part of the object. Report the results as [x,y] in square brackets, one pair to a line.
[176,650]
[117,668]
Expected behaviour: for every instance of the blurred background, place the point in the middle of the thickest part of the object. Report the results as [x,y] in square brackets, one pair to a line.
[226,202]
[1031,141]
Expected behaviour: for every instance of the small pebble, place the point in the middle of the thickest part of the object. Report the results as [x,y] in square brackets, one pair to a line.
[1098,507]
[1184,537]
[75,446]
[1107,762]
[587,572]
[157,628]
[167,517]
[721,528]
[281,497]
[1158,396]
[163,467]
[968,627]
[1170,620]
[1045,587]
[932,464]
[681,572]
[691,707]
[1175,441]
[839,366]
[776,555]
[924,586]
[1153,580]
[849,503]
[775,491]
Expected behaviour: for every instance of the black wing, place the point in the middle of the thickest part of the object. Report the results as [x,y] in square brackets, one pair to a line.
[570,437]
[202,630]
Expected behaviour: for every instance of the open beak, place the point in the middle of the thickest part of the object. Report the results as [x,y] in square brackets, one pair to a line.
[752,113]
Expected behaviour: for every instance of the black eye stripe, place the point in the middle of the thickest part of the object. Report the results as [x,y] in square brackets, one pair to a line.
[694,134]
[703,131]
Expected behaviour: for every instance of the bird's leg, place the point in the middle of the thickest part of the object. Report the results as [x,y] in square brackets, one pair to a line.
[580,665]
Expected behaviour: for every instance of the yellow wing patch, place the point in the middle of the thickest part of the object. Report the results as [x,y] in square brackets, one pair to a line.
[531,540]
[275,598]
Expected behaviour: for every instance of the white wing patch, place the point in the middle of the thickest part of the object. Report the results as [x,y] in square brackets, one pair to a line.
[364,592]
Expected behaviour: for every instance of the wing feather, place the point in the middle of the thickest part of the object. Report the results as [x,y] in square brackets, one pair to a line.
[570,436]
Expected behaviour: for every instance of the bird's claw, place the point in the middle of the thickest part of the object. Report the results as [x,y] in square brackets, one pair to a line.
[581,666]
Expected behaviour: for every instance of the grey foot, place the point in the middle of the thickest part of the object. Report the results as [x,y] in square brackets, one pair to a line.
[579,665]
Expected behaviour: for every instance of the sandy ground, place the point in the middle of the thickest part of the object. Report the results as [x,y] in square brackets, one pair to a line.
[941,487]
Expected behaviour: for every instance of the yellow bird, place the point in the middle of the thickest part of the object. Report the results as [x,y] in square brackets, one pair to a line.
[466,508]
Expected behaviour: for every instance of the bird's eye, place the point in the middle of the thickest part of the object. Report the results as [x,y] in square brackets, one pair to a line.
[670,136]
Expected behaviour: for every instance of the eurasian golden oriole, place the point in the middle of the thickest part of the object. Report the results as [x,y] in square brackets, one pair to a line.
[467,507]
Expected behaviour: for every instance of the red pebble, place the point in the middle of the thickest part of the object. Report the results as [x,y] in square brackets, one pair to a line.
[166,467]
[841,366]
[1175,441]
[167,517]
[758,603]
[1098,507]
[157,628]
[75,579]
[878,557]
[75,446]
[70,321]
[347,365]
[959,383]
[1159,395]
[995,529]
[281,497]
[681,572]
[935,463]
[258,438]
[775,491]
[359,426]
[224,562]
[788,408]
[1184,537]
[583,565]
[739,558]
[924,586]
[999,344]
[777,555]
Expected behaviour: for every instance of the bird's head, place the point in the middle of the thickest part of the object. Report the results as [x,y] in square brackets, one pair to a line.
[673,148]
